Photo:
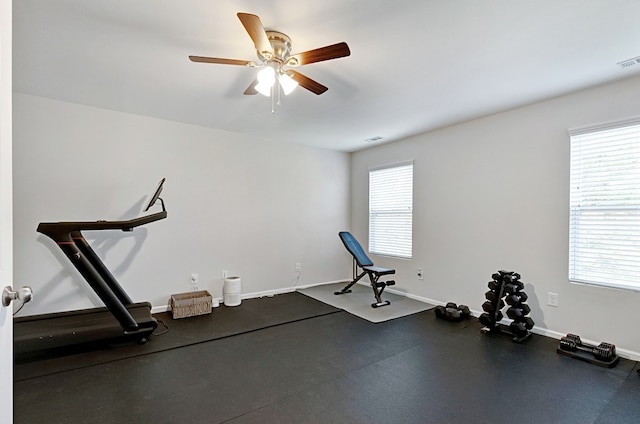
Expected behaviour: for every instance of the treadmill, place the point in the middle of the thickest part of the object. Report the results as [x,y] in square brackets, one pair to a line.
[120,321]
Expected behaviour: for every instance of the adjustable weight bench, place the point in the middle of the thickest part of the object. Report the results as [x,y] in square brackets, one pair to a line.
[362,261]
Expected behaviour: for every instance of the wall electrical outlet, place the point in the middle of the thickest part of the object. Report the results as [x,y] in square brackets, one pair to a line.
[194,278]
[298,267]
[420,274]
[552,299]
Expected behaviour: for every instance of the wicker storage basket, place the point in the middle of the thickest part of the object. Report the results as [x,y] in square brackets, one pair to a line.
[190,304]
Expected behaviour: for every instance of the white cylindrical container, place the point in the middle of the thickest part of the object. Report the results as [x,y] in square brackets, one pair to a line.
[232,291]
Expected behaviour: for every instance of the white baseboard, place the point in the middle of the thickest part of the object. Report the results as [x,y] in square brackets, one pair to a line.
[159,309]
[412,296]
[623,353]
[266,293]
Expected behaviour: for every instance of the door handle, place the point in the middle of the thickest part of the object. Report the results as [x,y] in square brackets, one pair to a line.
[24,295]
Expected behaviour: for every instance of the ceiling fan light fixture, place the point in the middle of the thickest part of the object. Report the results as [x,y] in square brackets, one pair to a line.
[266,80]
[267,76]
[287,83]
[264,89]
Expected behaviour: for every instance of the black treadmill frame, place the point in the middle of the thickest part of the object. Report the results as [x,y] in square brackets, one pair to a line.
[68,236]
[85,326]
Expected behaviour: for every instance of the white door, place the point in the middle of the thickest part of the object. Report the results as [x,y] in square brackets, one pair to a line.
[6,224]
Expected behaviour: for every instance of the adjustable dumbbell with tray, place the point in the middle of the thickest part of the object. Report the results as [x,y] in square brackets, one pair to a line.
[603,355]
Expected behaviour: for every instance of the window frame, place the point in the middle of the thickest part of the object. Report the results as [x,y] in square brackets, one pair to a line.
[597,249]
[390,218]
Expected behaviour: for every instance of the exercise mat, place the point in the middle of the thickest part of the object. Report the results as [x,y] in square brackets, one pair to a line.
[359,301]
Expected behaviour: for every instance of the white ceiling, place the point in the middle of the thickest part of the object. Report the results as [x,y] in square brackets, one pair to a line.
[415,65]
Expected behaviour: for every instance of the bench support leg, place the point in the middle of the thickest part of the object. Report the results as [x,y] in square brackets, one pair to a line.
[347,289]
[378,288]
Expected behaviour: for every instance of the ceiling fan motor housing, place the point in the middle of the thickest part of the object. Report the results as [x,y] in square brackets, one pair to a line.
[281,44]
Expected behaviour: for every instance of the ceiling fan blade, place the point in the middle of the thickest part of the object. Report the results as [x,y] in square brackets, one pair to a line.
[220,61]
[306,82]
[251,90]
[256,31]
[333,51]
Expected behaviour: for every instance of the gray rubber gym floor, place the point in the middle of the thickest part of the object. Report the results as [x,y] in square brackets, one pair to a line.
[337,368]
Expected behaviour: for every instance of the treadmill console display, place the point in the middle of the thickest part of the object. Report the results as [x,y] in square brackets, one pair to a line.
[156,196]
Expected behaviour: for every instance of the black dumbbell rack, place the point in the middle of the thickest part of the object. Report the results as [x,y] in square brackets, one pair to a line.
[505,288]
[603,355]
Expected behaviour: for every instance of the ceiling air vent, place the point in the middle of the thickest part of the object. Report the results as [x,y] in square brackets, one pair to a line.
[629,62]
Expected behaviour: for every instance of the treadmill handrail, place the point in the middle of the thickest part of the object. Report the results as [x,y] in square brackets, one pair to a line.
[68,236]
[51,228]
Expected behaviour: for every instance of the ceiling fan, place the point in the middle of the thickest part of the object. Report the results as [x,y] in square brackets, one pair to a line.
[274,51]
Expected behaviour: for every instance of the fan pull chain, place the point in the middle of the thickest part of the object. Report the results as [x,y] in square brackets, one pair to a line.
[277,88]
[275,92]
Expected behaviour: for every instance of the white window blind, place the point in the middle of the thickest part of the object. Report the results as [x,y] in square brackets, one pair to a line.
[391,211]
[604,234]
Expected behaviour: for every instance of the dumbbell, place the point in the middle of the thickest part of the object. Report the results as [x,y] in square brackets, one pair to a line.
[494,285]
[520,327]
[520,311]
[604,351]
[448,313]
[489,319]
[511,277]
[486,320]
[528,322]
[488,306]
[464,311]
[513,287]
[441,312]
[452,312]
[515,298]
[491,295]
[572,342]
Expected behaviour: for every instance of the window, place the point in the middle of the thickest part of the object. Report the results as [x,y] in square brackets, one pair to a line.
[391,210]
[604,230]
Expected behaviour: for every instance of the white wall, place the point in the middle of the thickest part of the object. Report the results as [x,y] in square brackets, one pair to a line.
[492,194]
[250,206]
